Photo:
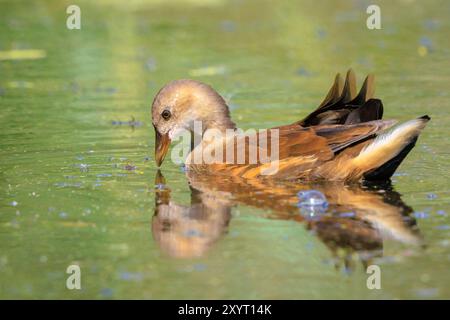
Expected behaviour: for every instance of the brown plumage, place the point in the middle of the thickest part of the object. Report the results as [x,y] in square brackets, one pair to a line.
[343,139]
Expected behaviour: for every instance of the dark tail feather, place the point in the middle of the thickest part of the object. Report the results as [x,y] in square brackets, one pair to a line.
[367,91]
[371,110]
[349,91]
[342,100]
[386,171]
[334,93]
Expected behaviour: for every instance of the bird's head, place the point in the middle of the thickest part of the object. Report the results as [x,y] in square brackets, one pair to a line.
[178,105]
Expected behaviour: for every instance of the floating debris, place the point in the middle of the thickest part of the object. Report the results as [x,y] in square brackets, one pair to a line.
[63,215]
[14,203]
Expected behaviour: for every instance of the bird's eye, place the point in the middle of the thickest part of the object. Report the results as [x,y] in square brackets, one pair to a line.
[166,114]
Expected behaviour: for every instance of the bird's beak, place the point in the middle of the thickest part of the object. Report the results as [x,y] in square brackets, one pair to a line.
[162,143]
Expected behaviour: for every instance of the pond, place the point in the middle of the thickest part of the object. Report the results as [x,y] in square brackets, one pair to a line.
[79,184]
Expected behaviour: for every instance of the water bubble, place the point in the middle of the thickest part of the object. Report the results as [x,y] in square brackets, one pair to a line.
[14,203]
[312,203]
[312,198]
[63,215]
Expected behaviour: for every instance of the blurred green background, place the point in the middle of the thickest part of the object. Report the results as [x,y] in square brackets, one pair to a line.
[77,184]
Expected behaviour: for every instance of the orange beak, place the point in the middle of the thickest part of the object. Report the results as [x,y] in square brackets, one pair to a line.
[162,143]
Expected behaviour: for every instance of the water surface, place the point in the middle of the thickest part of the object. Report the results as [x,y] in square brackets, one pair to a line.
[77,182]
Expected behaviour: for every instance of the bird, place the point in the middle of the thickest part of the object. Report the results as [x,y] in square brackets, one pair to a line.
[343,139]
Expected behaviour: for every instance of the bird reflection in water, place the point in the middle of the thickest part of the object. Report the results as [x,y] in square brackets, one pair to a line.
[357,220]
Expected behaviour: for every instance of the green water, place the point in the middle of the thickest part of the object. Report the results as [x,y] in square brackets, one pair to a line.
[77,187]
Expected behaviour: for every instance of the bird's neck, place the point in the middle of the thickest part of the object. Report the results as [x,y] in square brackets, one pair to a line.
[219,123]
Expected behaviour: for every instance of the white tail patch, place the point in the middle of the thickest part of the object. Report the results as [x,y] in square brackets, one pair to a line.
[387,145]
